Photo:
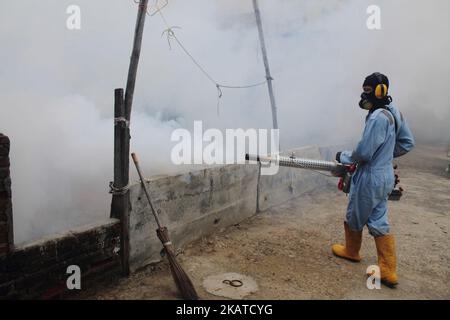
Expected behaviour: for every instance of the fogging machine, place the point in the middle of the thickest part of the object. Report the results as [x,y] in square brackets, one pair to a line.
[342,171]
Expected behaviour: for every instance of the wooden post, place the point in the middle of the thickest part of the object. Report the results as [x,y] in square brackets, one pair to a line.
[121,198]
[266,64]
[120,206]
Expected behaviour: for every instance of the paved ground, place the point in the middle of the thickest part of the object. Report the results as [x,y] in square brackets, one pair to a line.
[287,249]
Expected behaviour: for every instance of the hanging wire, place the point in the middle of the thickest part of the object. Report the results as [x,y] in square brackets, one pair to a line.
[170,33]
[149,13]
[158,8]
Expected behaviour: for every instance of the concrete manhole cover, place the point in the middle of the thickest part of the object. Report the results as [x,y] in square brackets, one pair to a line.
[230,285]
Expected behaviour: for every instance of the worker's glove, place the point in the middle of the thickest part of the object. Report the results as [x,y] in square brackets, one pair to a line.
[338,156]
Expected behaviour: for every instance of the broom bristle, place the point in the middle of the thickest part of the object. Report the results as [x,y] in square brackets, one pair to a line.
[182,281]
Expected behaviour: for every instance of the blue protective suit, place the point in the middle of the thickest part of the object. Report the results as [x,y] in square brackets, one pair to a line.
[382,140]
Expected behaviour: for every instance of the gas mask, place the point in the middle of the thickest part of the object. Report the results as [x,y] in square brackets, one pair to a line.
[375,92]
[367,99]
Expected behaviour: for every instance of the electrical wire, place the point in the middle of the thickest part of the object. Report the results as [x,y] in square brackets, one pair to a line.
[170,33]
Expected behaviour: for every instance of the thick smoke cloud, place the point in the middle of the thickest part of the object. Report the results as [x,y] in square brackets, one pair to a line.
[56,85]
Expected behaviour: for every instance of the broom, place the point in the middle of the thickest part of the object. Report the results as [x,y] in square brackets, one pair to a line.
[180,277]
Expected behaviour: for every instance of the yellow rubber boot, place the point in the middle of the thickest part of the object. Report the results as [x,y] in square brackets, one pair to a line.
[387,260]
[352,245]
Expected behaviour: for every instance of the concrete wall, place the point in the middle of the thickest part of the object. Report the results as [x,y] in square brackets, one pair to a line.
[192,205]
[291,183]
[200,202]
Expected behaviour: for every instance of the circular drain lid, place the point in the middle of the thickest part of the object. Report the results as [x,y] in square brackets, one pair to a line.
[230,285]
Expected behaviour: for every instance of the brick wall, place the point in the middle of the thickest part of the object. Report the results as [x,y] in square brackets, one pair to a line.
[6,225]
[37,270]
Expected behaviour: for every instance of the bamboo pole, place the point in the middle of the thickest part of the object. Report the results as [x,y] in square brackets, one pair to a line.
[266,64]
[135,55]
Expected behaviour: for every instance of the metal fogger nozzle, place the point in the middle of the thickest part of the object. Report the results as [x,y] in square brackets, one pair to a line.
[298,162]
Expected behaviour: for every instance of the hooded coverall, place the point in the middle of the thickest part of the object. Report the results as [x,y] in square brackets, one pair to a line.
[386,136]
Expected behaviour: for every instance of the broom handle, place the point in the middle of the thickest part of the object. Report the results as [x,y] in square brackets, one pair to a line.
[138,168]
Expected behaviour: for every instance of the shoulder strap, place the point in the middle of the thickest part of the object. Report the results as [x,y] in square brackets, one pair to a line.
[391,117]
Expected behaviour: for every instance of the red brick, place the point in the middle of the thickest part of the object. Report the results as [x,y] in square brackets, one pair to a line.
[5,188]
[4,173]
[5,194]
[3,227]
[4,146]
[5,204]
[4,249]
[4,161]
[4,139]
[4,234]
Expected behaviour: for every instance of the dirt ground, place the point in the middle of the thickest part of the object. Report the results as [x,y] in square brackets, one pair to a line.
[287,249]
